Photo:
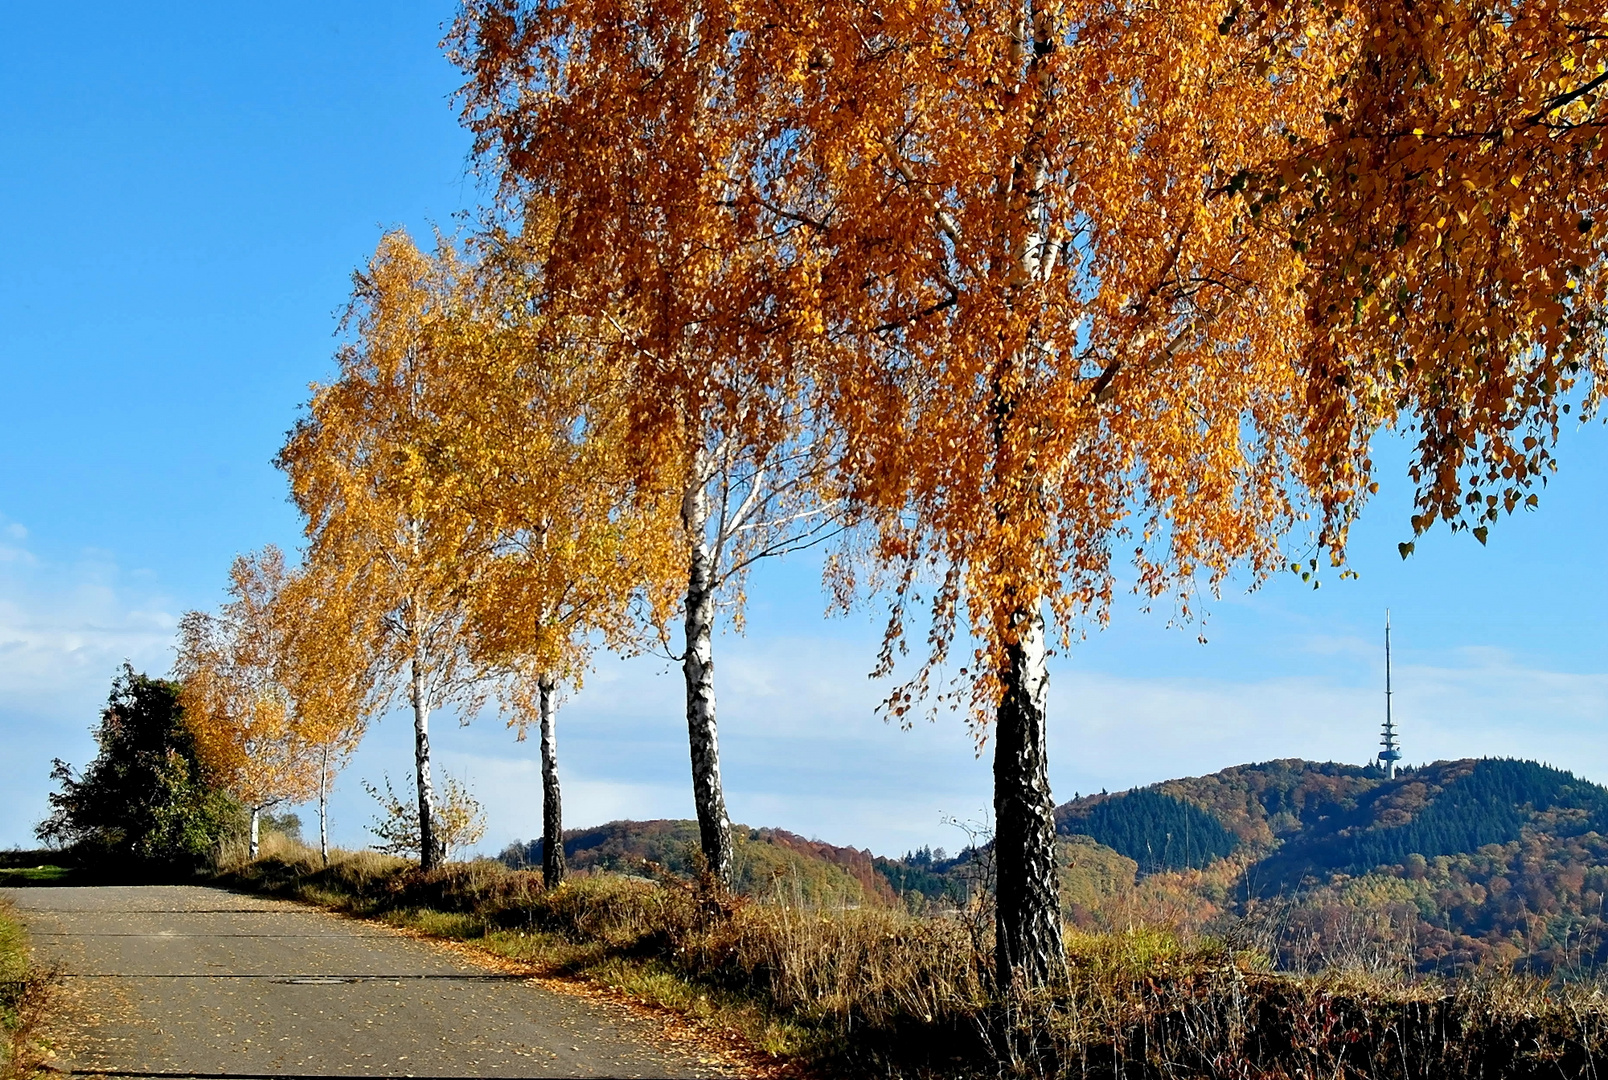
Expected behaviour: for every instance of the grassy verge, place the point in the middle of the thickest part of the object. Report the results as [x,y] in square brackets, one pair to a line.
[31,868]
[24,1001]
[879,992]
[34,875]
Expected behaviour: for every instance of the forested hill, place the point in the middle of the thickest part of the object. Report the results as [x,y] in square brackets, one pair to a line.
[768,861]
[1459,862]
[1156,829]
[1296,820]
[1470,861]
[1445,809]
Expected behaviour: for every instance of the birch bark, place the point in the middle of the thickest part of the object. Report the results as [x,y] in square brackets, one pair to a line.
[1028,950]
[698,668]
[553,867]
[256,824]
[323,808]
[429,850]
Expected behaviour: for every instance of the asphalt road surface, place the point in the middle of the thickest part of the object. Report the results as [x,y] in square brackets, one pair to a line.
[181,981]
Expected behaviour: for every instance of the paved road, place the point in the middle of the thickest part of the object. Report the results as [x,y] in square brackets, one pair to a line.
[180,981]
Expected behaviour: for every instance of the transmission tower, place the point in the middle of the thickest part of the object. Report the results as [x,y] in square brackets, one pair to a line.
[1392,751]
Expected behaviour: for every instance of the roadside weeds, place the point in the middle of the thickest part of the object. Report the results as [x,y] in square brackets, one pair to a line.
[27,995]
[871,991]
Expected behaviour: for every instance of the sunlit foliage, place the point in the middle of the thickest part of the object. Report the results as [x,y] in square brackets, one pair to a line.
[374,470]
[237,700]
[145,797]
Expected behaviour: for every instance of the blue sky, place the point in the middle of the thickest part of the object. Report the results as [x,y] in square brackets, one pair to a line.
[186,189]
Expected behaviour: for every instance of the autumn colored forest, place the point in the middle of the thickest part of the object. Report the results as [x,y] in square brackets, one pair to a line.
[1448,869]
[996,304]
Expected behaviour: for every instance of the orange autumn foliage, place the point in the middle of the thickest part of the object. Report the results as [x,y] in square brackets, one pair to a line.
[1450,212]
[1015,259]
[237,695]
[1028,257]
[1001,270]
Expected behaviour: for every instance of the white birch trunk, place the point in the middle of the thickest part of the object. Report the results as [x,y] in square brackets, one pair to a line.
[429,847]
[323,808]
[553,867]
[698,668]
[256,825]
[1028,948]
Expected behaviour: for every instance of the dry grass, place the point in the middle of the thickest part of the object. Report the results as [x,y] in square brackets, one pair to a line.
[871,991]
[25,1000]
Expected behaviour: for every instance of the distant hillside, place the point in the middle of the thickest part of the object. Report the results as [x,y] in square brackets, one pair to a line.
[1156,830]
[1459,862]
[1449,865]
[767,861]
[1265,803]
[931,878]
[1449,808]
[1260,805]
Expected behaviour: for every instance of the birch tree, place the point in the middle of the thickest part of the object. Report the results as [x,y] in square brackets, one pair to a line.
[683,279]
[329,674]
[585,552]
[374,472]
[998,271]
[236,700]
[1075,283]
[741,503]
[1158,276]
[976,252]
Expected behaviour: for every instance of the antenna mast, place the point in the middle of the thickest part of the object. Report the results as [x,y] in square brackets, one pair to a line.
[1391,752]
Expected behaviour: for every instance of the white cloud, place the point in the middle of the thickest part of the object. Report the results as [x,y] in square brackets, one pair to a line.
[64,630]
[63,624]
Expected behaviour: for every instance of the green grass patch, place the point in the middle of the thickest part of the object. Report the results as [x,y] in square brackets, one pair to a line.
[452,925]
[35,867]
[13,950]
[35,875]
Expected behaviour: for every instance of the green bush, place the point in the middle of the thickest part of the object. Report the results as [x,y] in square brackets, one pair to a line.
[143,799]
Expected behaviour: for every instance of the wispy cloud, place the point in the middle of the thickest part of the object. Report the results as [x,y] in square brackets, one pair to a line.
[62,623]
[64,629]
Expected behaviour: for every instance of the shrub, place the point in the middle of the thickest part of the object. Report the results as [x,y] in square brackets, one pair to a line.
[143,798]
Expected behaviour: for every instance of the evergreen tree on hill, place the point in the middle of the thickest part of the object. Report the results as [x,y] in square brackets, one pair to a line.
[1490,804]
[1156,830]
